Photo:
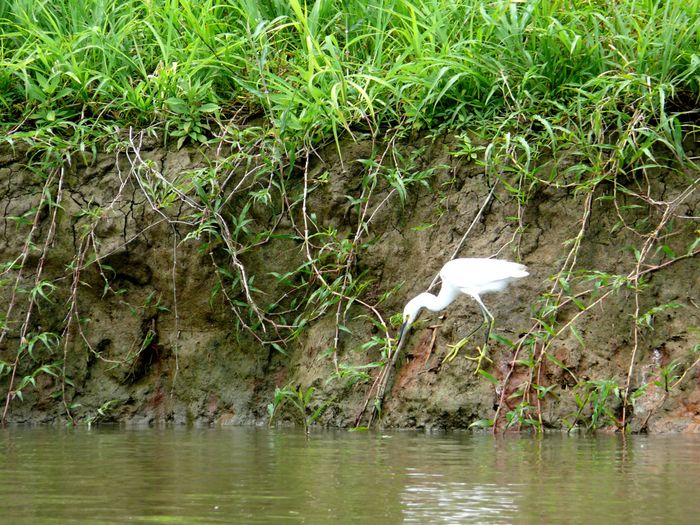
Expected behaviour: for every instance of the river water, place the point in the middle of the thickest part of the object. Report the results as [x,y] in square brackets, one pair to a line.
[243,475]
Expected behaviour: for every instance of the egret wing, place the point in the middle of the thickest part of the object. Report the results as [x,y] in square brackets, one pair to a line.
[476,273]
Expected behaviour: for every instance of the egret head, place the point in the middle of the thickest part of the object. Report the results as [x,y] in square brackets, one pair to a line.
[411,311]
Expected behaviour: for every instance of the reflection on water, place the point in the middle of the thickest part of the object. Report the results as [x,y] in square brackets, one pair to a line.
[438,501]
[277,476]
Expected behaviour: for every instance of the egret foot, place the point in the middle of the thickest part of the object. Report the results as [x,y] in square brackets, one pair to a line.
[457,346]
[480,358]
[454,350]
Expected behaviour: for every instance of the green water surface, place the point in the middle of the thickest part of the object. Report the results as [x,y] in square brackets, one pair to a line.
[242,475]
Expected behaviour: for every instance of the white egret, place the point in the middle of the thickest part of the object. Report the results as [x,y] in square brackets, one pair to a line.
[470,276]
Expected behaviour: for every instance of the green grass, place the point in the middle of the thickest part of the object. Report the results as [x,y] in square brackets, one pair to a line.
[324,67]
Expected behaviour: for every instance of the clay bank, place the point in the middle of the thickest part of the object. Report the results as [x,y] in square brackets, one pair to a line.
[228,286]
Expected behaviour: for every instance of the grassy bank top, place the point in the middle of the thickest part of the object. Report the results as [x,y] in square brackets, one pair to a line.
[76,69]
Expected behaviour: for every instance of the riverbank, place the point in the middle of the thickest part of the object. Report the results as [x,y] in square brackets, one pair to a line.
[215,212]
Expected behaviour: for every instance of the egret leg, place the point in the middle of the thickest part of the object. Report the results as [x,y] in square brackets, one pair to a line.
[488,319]
[456,347]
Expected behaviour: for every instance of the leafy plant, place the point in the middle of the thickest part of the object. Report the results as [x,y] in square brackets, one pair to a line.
[102,413]
[190,110]
[596,404]
[300,399]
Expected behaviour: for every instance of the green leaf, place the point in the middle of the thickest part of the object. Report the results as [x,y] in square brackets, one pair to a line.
[556,361]
[177,105]
[577,335]
[209,107]
[503,340]
[488,376]
[279,348]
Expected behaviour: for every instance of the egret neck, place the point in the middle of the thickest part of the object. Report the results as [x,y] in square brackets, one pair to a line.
[434,303]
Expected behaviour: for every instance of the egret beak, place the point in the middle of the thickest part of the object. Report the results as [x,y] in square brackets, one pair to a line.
[402,331]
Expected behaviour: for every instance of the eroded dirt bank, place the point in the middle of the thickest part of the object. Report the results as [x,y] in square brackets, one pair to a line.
[148,318]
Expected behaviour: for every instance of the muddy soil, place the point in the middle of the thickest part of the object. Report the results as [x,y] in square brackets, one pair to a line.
[155,343]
